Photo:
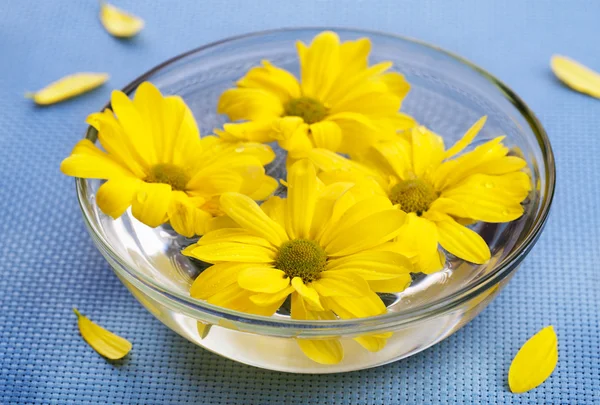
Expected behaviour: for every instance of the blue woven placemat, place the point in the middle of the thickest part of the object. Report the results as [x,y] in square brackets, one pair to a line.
[48,263]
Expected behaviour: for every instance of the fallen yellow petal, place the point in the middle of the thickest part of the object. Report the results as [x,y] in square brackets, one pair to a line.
[68,87]
[106,343]
[534,362]
[576,76]
[118,23]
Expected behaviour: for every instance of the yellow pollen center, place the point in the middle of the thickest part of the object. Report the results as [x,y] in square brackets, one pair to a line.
[309,109]
[170,174]
[413,195]
[301,258]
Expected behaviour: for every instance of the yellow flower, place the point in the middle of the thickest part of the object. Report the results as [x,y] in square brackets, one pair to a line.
[440,191]
[155,162]
[319,244]
[340,103]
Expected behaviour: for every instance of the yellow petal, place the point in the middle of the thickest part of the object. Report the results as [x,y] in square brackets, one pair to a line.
[106,343]
[307,293]
[250,104]
[203,329]
[119,23]
[427,150]
[373,343]
[462,242]
[116,195]
[301,199]
[576,76]
[266,187]
[68,87]
[534,362]
[320,65]
[265,299]
[369,232]
[235,235]
[392,285]
[216,278]
[420,237]
[323,351]
[236,298]
[326,135]
[356,307]
[274,207]
[489,198]
[89,162]
[340,284]
[273,79]
[263,280]
[467,138]
[247,214]
[185,216]
[151,202]
[372,265]
[230,252]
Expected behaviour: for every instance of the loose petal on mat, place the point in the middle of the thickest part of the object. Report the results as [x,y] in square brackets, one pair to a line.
[576,76]
[534,362]
[106,343]
[118,23]
[68,87]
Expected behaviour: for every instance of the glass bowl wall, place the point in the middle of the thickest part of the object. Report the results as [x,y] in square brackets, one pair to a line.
[448,95]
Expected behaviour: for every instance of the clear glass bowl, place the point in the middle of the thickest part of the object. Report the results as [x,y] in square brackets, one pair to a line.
[448,95]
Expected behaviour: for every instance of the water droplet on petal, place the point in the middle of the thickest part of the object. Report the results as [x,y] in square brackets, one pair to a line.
[240,149]
[488,184]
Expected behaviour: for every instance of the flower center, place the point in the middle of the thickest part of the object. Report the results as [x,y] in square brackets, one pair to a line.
[301,258]
[413,195]
[170,174]
[309,109]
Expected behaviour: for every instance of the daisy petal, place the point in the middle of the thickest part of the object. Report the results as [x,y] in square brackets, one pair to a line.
[462,241]
[272,79]
[249,104]
[307,293]
[235,235]
[116,195]
[322,351]
[356,307]
[151,202]
[68,87]
[392,285]
[301,199]
[467,138]
[373,343]
[263,280]
[326,135]
[369,232]
[420,236]
[371,265]
[427,150]
[89,162]
[216,278]
[534,362]
[247,214]
[236,298]
[266,299]
[340,284]
[489,198]
[118,23]
[576,76]
[274,207]
[184,216]
[320,65]
[231,252]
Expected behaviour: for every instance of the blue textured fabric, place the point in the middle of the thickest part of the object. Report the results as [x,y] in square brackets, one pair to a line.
[48,263]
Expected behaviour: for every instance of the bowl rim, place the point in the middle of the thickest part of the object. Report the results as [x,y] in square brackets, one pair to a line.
[200,309]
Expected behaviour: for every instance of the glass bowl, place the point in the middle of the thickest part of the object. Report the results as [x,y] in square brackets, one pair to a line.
[448,95]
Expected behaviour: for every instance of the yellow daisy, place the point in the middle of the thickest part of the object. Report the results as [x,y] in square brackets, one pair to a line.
[155,161]
[319,244]
[440,191]
[339,103]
